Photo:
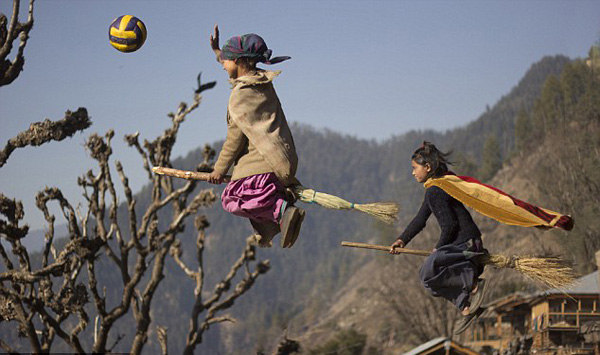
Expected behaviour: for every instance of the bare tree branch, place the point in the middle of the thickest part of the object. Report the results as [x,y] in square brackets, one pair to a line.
[161,333]
[6,347]
[213,304]
[9,71]
[47,131]
[410,303]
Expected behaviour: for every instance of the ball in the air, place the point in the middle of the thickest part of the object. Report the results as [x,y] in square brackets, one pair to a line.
[127,33]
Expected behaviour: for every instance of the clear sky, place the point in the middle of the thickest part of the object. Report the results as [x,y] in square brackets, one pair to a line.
[370,69]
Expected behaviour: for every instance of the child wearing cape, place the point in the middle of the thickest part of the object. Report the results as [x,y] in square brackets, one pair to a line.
[453,271]
[259,144]
[450,271]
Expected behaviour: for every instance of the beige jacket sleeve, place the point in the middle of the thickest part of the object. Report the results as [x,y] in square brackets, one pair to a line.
[234,143]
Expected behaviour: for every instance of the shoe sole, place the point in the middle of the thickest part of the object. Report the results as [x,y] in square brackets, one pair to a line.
[296,232]
[481,288]
[474,317]
[286,234]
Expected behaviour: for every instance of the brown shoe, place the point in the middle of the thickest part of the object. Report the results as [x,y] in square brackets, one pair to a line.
[296,232]
[465,321]
[290,225]
[477,297]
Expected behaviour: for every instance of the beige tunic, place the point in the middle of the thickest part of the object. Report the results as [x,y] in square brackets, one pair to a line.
[259,139]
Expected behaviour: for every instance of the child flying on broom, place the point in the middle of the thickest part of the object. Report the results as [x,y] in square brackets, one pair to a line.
[452,270]
[259,143]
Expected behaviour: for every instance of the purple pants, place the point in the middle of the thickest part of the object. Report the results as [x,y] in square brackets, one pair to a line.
[257,197]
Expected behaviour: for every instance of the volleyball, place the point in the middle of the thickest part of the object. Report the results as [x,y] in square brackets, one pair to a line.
[127,33]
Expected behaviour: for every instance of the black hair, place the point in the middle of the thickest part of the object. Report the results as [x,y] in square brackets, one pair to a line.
[428,153]
[248,62]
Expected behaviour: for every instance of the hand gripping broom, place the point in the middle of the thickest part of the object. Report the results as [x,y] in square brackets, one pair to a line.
[384,211]
[552,272]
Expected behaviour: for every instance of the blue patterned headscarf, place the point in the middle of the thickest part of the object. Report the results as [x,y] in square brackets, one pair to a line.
[250,46]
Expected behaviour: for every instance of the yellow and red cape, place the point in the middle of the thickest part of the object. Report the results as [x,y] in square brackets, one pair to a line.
[496,204]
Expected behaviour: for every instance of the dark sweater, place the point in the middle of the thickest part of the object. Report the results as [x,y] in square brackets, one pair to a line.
[455,221]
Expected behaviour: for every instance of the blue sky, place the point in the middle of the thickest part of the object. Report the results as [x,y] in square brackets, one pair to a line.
[370,69]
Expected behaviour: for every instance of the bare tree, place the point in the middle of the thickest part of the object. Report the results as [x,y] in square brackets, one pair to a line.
[50,298]
[410,304]
[56,293]
[10,30]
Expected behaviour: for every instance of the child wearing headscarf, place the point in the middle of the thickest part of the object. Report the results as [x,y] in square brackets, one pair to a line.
[259,144]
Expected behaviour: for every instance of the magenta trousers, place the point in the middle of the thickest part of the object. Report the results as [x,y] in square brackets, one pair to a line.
[258,197]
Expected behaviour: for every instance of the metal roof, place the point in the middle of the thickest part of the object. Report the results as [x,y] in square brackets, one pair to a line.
[427,345]
[509,301]
[435,344]
[587,284]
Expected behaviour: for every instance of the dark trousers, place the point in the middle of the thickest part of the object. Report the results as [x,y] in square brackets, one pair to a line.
[451,271]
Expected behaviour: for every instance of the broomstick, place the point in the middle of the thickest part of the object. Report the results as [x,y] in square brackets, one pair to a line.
[552,272]
[384,211]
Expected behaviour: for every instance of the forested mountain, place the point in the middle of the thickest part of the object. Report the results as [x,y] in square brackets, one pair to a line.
[304,290]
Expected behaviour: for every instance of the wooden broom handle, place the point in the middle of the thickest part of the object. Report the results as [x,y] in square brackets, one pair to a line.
[184,174]
[385,248]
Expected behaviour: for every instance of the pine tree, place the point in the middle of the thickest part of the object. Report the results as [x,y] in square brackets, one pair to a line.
[552,103]
[464,164]
[492,160]
[522,130]
[593,60]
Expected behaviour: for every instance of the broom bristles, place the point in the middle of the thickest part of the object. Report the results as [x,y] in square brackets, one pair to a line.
[384,211]
[322,199]
[550,271]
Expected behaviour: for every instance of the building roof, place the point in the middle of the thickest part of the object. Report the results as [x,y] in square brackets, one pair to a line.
[435,344]
[587,284]
[509,301]
[425,346]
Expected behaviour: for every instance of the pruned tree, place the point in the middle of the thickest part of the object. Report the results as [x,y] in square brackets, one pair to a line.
[10,30]
[59,294]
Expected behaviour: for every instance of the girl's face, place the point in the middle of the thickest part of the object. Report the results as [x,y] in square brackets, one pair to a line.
[419,171]
[231,67]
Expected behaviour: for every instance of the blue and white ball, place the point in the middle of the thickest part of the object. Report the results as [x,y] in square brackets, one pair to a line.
[127,33]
